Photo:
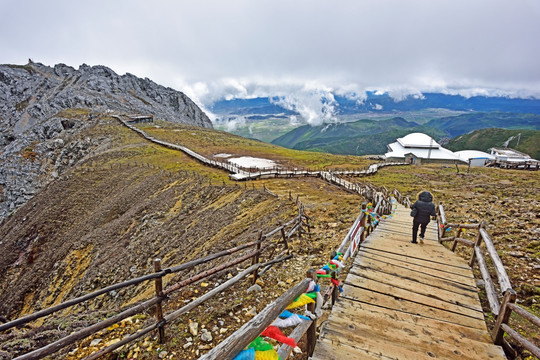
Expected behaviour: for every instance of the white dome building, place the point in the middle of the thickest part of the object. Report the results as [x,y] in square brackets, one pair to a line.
[417,148]
[475,157]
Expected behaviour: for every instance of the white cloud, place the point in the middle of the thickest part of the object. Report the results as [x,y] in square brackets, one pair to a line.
[233,123]
[296,50]
[314,105]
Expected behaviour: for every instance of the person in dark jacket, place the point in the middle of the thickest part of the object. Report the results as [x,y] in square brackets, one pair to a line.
[422,210]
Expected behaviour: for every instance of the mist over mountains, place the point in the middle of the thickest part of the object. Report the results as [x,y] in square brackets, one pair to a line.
[374,102]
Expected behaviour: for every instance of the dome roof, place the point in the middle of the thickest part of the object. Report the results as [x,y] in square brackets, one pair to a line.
[474,154]
[418,140]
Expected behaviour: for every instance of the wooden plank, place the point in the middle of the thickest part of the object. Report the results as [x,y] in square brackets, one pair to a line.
[442,279]
[393,342]
[327,350]
[416,296]
[402,235]
[418,287]
[411,306]
[354,309]
[422,253]
[417,264]
[426,251]
[299,331]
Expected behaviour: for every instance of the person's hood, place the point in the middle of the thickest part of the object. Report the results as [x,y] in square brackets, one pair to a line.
[425,196]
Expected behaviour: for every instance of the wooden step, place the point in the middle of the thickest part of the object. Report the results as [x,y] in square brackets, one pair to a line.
[368,257]
[406,301]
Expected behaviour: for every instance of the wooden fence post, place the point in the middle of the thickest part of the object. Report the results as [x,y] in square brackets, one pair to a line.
[363,223]
[369,228]
[284,236]
[504,316]
[482,225]
[256,257]
[334,290]
[455,242]
[159,293]
[312,330]
[307,225]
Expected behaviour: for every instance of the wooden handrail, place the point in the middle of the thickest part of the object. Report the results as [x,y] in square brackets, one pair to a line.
[211,271]
[241,338]
[135,281]
[504,281]
[535,350]
[463,226]
[80,299]
[183,310]
[503,310]
[442,215]
[57,345]
[81,334]
[527,315]
[488,283]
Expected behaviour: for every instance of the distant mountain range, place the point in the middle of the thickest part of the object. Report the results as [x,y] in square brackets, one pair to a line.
[375,102]
[371,136]
[462,124]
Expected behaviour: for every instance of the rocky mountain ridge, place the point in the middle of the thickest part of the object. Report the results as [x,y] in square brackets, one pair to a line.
[42,109]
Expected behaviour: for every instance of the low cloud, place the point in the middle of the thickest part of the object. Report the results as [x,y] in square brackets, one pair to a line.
[315,102]
[233,123]
[314,106]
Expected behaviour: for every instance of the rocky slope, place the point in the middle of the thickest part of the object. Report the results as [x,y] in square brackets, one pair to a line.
[43,108]
[129,201]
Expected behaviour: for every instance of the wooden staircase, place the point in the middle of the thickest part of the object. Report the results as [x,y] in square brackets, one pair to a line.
[406,301]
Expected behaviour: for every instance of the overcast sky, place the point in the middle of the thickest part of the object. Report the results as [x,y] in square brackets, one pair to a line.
[239,48]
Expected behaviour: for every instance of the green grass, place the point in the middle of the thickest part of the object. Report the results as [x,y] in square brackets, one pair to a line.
[209,142]
[264,130]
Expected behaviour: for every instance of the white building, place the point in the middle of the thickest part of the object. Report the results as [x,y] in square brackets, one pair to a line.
[475,157]
[510,155]
[417,148]
[513,159]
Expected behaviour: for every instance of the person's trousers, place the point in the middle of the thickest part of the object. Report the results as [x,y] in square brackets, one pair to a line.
[415,226]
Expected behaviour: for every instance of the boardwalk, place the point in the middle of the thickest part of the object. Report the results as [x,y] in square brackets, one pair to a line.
[406,301]
[240,174]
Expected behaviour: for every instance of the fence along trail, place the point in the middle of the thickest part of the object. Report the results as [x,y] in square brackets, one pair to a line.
[431,295]
[239,174]
[406,301]
[400,300]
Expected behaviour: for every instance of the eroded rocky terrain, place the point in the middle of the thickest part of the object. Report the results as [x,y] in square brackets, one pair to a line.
[43,109]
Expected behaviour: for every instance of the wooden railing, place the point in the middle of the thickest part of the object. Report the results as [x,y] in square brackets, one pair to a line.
[263,243]
[501,309]
[243,173]
[358,232]
[403,200]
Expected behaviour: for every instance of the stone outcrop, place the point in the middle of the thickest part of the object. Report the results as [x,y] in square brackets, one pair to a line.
[39,140]
[34,92]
